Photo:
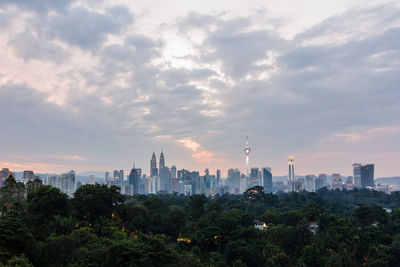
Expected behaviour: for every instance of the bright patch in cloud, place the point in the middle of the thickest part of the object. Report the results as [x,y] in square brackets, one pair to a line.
[189,143]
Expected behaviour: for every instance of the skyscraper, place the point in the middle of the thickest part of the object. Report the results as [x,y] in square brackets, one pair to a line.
[116,177]
[66,183]
[247,152]
[253,181]
[291,175]
[162,160]
[234,177]
[310,183]
[134,180]
[218,179]
[107,177]
[367,175]
[357,174]
[173,172]
[121,176]
[267,179]
[153,165]
[165,180]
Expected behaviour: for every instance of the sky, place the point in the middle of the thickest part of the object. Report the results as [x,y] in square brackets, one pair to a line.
[100,85]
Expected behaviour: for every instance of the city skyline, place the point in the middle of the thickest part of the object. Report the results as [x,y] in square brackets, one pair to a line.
[93,86]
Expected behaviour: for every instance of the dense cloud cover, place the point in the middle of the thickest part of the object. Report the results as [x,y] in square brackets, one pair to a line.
[94,86]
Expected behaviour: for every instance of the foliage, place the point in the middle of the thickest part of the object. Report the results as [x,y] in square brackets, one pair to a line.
[41,226]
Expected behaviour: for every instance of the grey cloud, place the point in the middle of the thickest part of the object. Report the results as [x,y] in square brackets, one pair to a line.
[39,6]
[351,24]
[28,46]
[83,28]
[197,21]
[314,92]
[239,50]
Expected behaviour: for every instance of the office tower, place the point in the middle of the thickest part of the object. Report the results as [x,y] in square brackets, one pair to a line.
[310,183]
[4,174]
[162,160]
[117,179]
[173,172]
[121,176]
[78,184]
[165,180]
[247,152]
[107,177]
[28,176]
[218,178]
[153,165]
[291,175]
[91,179]
[357,174]
[134,180]
[234,176]
[267,179]
[367,175]
[253,181]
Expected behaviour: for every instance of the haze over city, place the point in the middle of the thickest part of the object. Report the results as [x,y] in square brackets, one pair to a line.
[98,85]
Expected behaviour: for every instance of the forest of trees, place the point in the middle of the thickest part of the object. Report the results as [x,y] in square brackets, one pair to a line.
[41,226]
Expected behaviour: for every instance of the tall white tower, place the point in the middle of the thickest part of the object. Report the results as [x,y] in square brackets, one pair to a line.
[291,173]
[247,152]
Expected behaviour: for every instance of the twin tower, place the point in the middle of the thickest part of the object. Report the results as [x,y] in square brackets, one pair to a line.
[153,164]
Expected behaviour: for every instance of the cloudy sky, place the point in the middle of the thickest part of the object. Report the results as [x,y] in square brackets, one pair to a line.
[97,85]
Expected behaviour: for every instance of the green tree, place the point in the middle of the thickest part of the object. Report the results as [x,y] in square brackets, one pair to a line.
[45,202]
[93,201]
[13,193]
[15,237]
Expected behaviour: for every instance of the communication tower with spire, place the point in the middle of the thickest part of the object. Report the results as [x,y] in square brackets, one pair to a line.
[247,152]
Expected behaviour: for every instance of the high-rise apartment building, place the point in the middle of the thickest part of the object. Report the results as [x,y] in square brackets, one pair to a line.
[4,174]
[320,181]
[107,177]
[91,179]
[336,181]
[66,183]
[291,176]
[28,176]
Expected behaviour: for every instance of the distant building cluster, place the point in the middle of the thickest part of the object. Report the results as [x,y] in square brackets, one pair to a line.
[166,180]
